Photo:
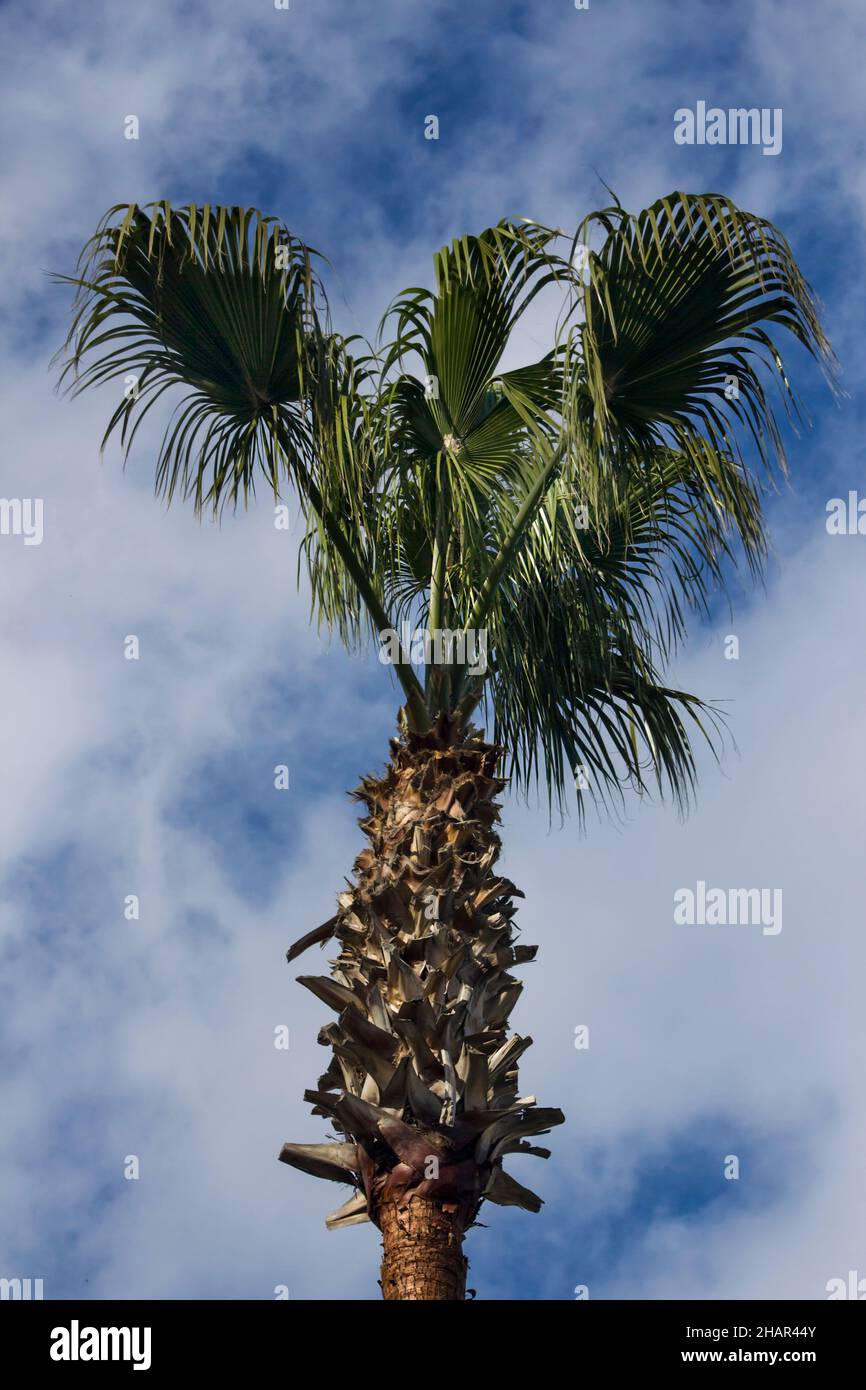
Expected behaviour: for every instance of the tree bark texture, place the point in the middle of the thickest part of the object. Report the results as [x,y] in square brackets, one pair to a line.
[423,1252]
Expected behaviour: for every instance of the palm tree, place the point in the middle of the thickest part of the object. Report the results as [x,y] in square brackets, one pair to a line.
[546,529]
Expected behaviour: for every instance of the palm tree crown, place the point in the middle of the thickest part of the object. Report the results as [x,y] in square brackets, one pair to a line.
[573,509]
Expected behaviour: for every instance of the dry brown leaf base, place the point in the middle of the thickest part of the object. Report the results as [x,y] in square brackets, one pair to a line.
[422,1088]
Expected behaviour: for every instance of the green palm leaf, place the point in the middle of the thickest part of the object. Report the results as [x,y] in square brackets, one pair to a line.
[674,341]
[221,302]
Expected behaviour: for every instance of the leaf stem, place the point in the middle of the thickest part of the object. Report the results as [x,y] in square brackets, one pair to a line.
[416,705]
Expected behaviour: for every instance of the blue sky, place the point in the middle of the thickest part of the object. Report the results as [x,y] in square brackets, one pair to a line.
[155,1037]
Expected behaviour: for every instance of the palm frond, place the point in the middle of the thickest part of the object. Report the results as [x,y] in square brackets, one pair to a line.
[221,302]
[229,306]
[676,340]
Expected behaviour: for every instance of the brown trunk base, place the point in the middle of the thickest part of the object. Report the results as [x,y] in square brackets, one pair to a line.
[423,1252]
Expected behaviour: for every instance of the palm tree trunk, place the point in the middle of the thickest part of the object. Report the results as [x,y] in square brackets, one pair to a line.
[422,1088]
[423,1252]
